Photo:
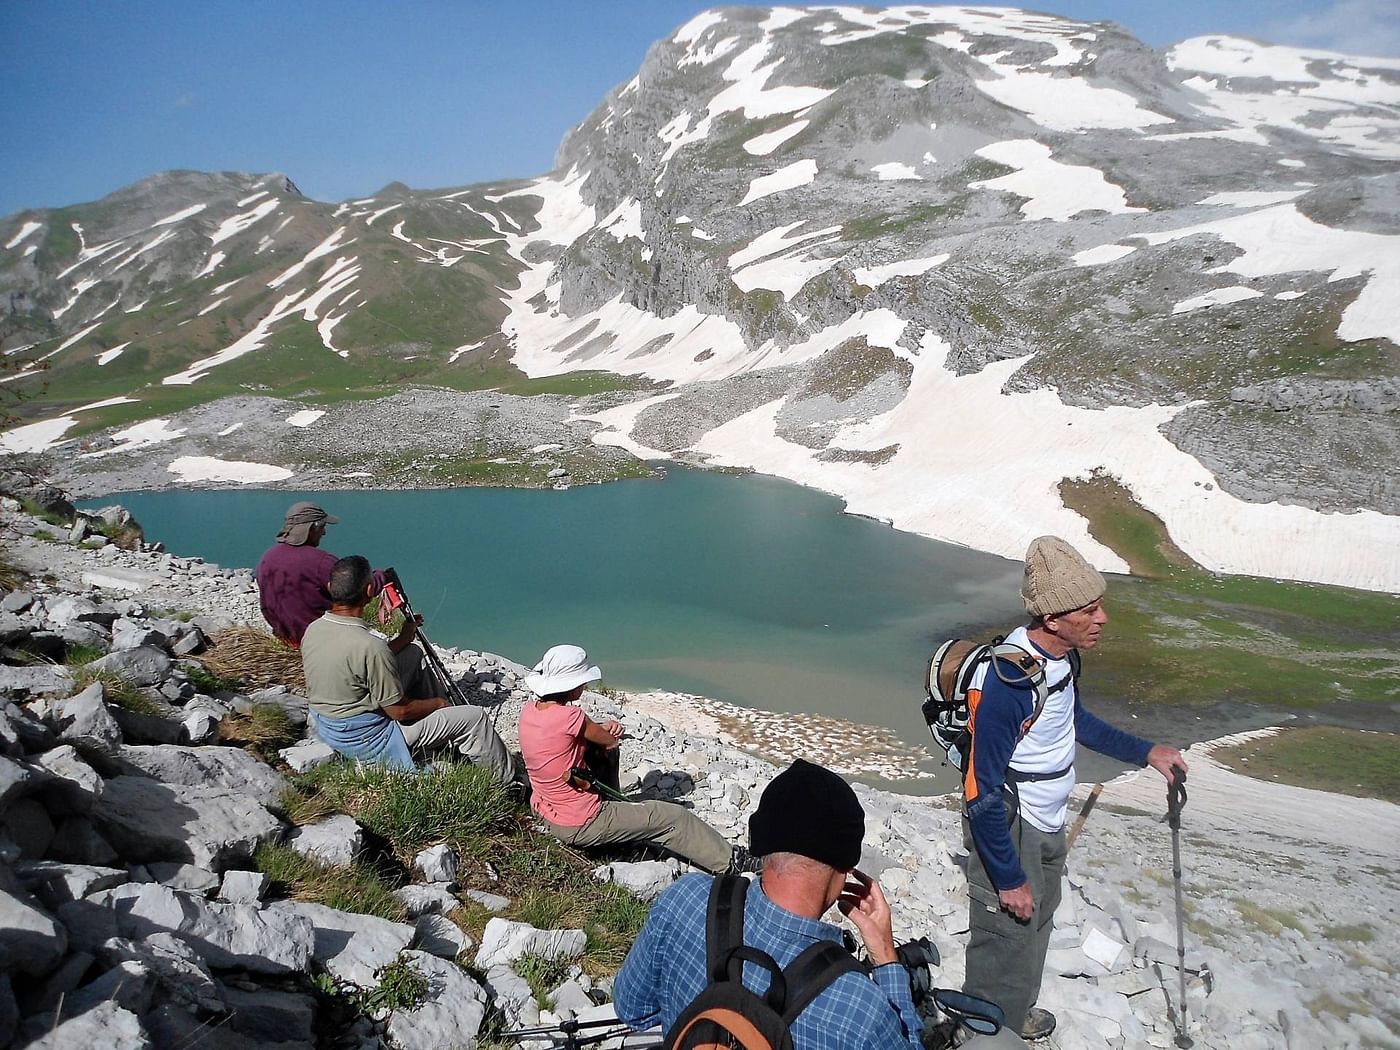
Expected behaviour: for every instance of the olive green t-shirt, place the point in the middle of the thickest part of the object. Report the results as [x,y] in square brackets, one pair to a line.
[349,669]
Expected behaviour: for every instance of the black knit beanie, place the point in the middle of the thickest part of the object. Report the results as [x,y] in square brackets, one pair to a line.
[810,811]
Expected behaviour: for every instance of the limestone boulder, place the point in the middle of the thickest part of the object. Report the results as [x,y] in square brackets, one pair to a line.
[503,942]
[72,785]
[226,768]
[212,827]
[335,841]
[351,947]
[645,879]
[179,971]
[440,936]
[107,1026]
[307,755]
[85,721]
[31,941]
[143,665]
[55,883]
[450,1017]
[227,936]
[23,683]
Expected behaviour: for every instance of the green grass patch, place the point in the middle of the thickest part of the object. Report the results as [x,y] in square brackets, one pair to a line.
[357,887]
[1272,921]
[1346,761]
[264,730]
[35,511]
[1119,522]
[542,975]
[207,682]
[455,803]
[1359,933]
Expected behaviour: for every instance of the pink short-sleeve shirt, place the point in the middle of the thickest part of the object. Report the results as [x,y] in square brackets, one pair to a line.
[551,742]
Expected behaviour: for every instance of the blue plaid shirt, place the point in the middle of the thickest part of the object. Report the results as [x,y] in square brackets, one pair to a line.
[665,970]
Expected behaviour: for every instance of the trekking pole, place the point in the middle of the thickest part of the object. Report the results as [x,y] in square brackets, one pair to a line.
[1083,816]
[395,595]
[1176,799]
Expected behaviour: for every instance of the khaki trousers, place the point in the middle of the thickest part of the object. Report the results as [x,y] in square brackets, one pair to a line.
[1005,955]
[668,825]
[466,730]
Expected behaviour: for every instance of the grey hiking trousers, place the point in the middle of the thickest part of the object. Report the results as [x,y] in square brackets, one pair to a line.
[468,731]
[1005,955]
[664,823]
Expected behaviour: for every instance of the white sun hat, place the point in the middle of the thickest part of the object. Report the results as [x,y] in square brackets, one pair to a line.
[561,669]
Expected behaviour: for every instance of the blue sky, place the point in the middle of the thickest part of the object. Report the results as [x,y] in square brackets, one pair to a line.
[347,96]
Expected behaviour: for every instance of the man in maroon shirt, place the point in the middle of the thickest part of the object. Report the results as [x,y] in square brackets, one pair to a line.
[292,578]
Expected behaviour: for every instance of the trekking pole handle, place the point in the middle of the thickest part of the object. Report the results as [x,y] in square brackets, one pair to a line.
[1176,797]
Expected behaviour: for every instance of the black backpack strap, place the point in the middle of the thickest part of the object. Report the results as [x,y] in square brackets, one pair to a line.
[724,923]
[812,972]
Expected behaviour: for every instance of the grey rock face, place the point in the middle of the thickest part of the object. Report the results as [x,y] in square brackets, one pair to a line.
[351,947]
[181,973]
[148,820]
[85,721]
[143,665]
[21,683]
[30,941]
[228,768]
[74,786]
[437,864]
[337,840]
[227,936]
[106,1025]
[503,942]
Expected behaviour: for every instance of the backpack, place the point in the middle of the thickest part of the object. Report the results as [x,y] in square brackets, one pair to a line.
[950,674]
[727,1014]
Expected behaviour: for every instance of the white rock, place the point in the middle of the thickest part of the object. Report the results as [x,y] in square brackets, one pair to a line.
[228,768]
[452,1015]
[144,665]
[76,785]
[200,727]
[243,887]
[437,864]
[210,826]
[30,941]
[441,936]
[646,879]
[335,840]
[84,721]
[420,899]
[352,947]
[490,901]
[228,936]
[503,942]
[107,1026]
[307,755]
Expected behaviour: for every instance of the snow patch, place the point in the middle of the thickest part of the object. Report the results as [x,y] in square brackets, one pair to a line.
[797,174]
[327,246]
[1056,191]
[874,276]
[140,435]
[1216,297]
[236,224]
[36,437]
[24,231]
[229,429]
[893,171]
[305,417]
[111,355]
[193,209]
[210,468]
[762,145]
[1100,254]
[210,265]
[1251,198]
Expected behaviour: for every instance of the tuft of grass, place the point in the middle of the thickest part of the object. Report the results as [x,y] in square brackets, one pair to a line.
[356,888]
[35,511]
[303,809]
[264,730]
[401,987]
[76,656]
[118,689]
[11,575]
[210,682]
[45,534]
[542,975]
[1272,921]
[1346,761]
[449,802]
[1361,933]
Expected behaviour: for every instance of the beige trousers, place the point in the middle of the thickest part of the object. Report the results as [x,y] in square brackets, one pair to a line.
[468,731]
[668,825]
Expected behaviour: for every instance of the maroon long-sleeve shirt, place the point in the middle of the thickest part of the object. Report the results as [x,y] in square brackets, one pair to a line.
[292,588]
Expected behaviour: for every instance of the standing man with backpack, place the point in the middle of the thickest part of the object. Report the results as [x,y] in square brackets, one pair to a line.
[1018,775]
[703,933]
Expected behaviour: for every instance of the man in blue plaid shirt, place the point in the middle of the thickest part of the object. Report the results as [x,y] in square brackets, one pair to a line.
[808,830]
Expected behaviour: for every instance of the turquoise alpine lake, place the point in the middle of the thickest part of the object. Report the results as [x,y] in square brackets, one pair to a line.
[742,588]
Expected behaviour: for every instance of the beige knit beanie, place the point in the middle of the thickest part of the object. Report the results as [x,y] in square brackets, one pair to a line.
[1058,578]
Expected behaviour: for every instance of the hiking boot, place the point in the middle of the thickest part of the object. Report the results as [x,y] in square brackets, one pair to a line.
[1038,1024]
[741,861]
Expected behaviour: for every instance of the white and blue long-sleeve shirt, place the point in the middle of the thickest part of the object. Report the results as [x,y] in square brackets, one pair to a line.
[999,753]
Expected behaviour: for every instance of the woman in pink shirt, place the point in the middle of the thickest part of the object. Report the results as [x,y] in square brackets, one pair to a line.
[556,737]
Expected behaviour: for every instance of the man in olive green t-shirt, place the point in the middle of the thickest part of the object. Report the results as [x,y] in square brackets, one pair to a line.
[354,690]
